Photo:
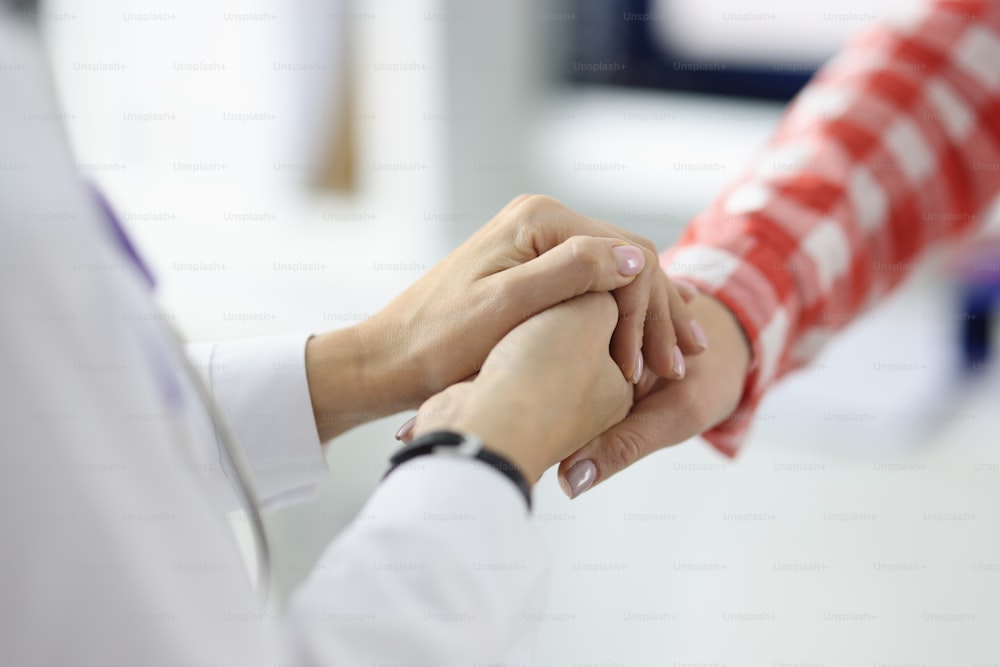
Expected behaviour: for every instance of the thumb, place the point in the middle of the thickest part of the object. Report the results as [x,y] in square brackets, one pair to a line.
[614,450]
[649,427]
[578,265]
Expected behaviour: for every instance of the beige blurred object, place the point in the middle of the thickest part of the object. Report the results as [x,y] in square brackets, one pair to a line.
[329,143]
[336,165]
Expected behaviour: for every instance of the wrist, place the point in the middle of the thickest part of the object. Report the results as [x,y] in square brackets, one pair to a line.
[350,379]
[466,445]
[516,451]
[729,328]
[514,439]
[728,360]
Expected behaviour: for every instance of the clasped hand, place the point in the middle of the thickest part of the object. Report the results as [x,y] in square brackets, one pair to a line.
[552,336]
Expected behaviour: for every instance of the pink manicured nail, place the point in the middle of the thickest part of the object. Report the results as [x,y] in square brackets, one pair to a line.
[630,259]
[580,477]
[638,370]
[405,429]
[699,335]
[679,368]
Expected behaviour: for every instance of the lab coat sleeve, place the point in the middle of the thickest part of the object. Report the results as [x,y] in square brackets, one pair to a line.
[260,384]
[442,567]
[114,552]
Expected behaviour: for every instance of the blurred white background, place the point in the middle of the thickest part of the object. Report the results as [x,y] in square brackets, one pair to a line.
[860,525]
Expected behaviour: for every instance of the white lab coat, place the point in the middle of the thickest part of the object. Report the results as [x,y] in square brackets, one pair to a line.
[115,547]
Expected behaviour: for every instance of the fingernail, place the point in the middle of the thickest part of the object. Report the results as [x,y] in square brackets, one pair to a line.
[405,429]
[630,259]
[699,335]
[638,370]
[564,485]
[678,362]
[580,477]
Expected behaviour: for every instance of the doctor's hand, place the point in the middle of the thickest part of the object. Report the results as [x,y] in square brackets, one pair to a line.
[666,413]
[534,254]
[548,387]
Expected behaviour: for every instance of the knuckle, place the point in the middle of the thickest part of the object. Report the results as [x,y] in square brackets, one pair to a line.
[534,209]
[622,451]
[582,254]
[540,203]
[528,215]
[652,259]
[645,244]
[518,200]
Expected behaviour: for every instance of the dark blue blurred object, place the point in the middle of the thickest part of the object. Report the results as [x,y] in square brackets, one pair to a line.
[601,33]
[978,276]
[978,325]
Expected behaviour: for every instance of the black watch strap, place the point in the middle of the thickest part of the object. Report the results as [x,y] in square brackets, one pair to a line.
[457,444]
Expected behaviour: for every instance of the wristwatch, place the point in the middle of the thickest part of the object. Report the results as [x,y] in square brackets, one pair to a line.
[450,443]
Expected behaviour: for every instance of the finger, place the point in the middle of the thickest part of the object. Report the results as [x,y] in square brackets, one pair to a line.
[541,223]
[658,339]
[690,334]
[676,323]
[685,288]
[664,332]
[405,431]
[654,423]
[634,301]
[576,266]
[670,332]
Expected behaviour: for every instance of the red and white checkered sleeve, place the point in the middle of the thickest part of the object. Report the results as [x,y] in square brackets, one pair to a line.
[894,145]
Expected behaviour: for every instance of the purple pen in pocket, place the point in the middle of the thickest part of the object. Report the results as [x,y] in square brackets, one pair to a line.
[150,331]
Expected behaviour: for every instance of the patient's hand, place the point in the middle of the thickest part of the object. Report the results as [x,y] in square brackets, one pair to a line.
[666,413]
[547,387]
[534,254]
